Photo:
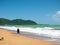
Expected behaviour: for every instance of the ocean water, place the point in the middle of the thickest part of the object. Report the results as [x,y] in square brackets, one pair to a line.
[50,31]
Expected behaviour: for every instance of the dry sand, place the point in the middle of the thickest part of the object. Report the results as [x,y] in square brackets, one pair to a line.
[14,39]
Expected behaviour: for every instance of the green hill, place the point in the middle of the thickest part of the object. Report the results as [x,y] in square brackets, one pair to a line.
[4,21]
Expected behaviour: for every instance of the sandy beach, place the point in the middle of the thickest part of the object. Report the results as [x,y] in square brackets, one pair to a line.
[10,38]
[40,37]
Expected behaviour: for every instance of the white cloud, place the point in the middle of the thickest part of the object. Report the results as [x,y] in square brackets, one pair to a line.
[58,12]
[56,17]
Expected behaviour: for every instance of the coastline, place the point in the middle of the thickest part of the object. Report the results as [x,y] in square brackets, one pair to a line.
[36,36]
[16,37]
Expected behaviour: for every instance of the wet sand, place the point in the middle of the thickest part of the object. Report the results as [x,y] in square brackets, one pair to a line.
[20,39]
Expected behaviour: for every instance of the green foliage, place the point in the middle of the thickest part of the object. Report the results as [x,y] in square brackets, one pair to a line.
[4,21]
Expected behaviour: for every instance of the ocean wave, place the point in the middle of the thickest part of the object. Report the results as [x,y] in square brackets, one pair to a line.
[46,31]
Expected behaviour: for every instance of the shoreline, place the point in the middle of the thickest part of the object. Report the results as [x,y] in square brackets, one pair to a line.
[11,38]
[36,36]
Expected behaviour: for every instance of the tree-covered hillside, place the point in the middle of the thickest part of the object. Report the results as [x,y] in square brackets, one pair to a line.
[4,21]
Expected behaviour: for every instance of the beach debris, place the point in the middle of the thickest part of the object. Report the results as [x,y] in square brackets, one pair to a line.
[1,38]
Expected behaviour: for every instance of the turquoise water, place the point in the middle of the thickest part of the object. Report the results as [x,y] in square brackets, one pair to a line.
[56,27]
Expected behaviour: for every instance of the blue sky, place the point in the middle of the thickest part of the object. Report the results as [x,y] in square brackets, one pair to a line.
[40,11]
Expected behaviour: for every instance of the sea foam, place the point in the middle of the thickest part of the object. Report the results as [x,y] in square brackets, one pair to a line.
[46,31]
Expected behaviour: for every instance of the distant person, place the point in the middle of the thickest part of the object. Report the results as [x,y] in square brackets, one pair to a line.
[18,31]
